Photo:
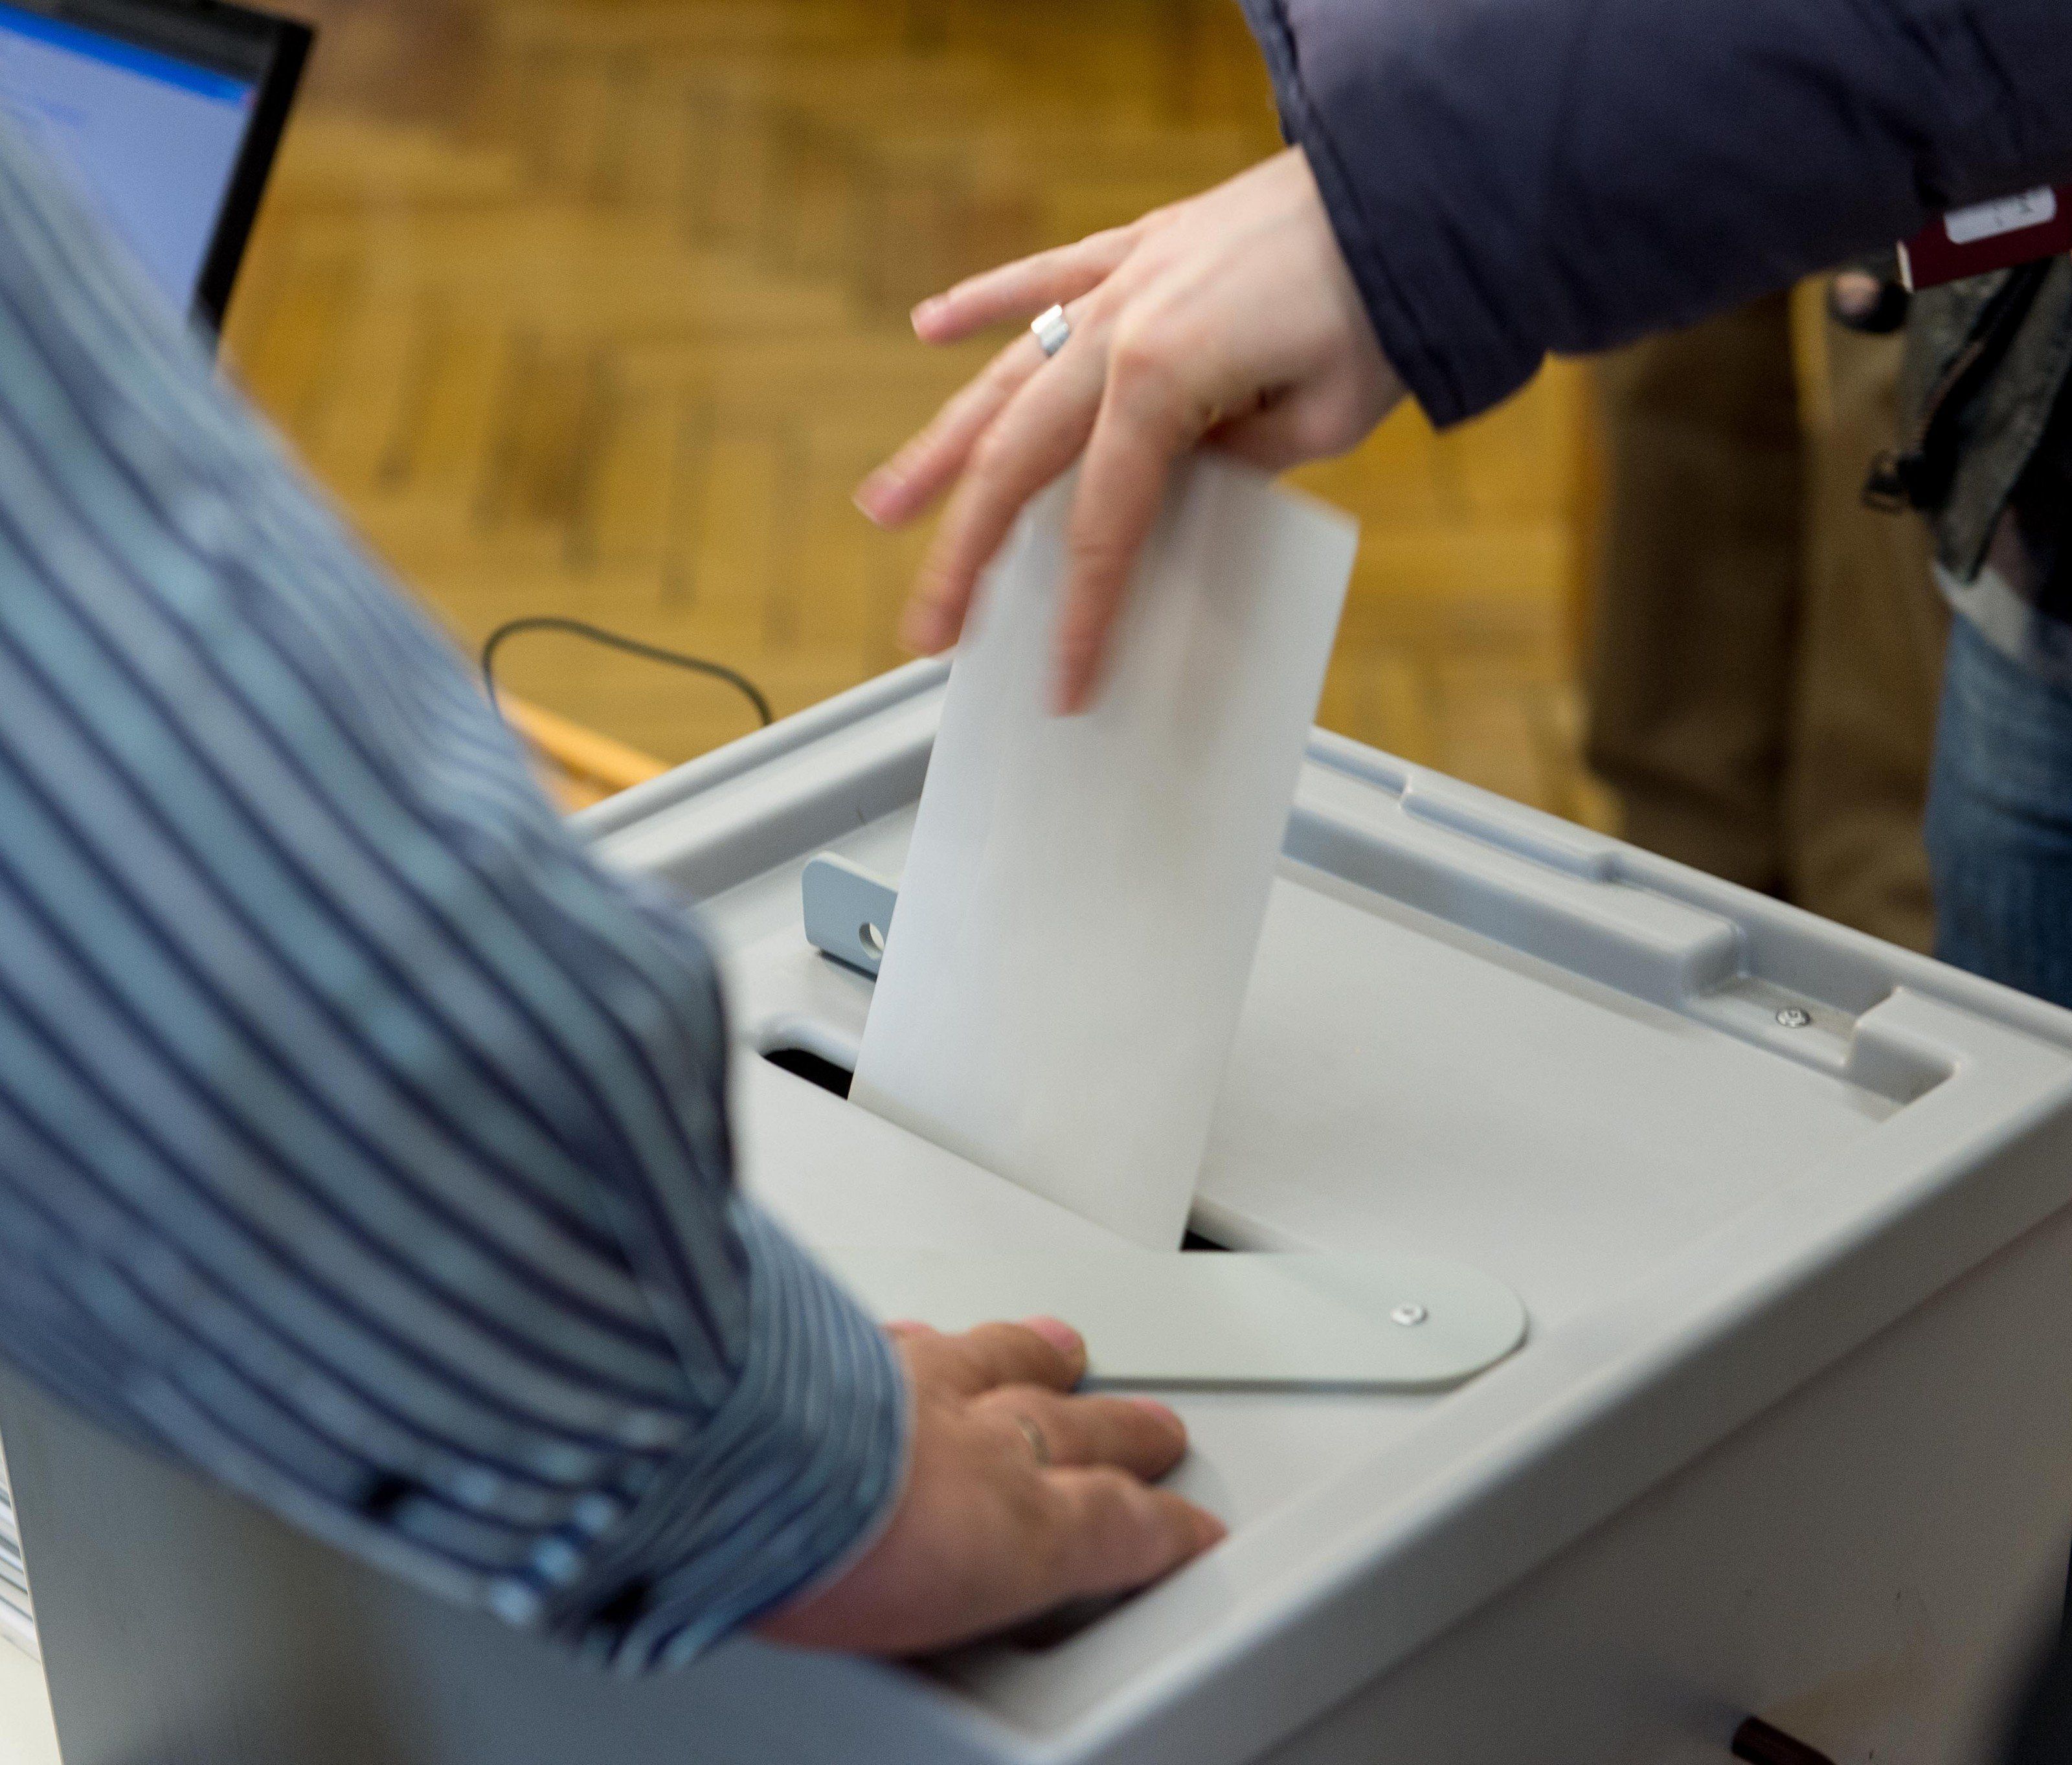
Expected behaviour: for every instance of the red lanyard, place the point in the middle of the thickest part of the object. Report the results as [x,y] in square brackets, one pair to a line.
[1990,235]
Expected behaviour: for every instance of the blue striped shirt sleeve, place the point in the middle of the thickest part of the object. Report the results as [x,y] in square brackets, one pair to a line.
[362,1142]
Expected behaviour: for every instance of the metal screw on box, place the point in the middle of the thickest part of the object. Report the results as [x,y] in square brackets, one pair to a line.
[1409,1316]
[1794,1017]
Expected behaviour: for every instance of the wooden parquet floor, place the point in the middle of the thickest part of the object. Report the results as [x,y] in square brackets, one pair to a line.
[597,308]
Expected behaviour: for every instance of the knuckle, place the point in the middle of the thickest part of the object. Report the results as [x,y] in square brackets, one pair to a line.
[1111,1494]
[993,457]
[1131,1537]
[981,1350]
[1111,1532]
[923,1350]
[1008,1444]
[1162,373]
[975,1353]
[1141,363]
[1000,377]
[1016,1356]
[1053,1553]
[1162,1438]
[1033,1401]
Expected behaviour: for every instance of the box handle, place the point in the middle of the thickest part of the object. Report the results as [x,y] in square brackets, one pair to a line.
[1760,1744]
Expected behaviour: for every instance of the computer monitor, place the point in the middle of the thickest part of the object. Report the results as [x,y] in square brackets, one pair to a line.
[168,113]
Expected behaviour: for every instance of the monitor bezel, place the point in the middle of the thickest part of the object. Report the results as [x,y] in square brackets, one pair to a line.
[271,50]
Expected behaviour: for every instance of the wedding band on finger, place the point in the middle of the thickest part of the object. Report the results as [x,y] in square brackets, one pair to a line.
[1053,330]
[1037,1444]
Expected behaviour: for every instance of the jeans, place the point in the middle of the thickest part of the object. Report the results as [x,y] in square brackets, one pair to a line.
[1999,820]
[1999,850]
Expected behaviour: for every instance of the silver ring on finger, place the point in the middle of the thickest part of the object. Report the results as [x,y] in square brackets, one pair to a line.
[1038,1445]
[1053,329]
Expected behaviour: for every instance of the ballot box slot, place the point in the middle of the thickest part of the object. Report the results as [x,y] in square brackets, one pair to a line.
[814,1068]
[826,1060]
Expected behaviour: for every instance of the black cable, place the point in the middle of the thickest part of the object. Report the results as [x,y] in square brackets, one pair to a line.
[633,646]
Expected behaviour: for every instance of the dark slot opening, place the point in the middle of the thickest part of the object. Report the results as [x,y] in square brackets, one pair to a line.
[814,1068]
[831,1075]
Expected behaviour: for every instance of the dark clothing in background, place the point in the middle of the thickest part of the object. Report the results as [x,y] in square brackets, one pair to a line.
[2042,1732]
[2042,518]
[1765,649]
[1986,453]
[2032,546]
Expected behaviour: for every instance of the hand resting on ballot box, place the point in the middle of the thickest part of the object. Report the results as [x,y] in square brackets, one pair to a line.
[1019,1497]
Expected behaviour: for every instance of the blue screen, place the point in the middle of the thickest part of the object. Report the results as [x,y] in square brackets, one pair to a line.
[153,142]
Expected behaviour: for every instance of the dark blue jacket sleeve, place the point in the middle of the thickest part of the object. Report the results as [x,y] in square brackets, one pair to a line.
[1512,177]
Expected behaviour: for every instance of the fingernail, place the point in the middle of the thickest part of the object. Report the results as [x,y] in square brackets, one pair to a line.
[1165,1412]
[1060,1335]
[874,495]
[925,311]
[1208,1529]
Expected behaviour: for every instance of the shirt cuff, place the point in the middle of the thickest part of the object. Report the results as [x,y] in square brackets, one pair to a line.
[793,1477]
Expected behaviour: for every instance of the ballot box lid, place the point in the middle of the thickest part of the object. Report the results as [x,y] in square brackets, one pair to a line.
[1666,1111]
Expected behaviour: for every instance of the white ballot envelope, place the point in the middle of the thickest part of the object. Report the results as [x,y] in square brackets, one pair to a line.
[1083,896]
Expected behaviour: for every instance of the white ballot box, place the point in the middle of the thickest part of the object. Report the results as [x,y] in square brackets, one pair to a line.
[1788,1433]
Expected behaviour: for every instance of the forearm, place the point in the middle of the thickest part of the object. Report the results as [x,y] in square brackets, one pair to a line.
[361,1141]
[781,1488]
[1511,177]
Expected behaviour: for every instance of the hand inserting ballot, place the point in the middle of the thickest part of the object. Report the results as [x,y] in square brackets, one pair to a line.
[1230,318]
[1019,1497]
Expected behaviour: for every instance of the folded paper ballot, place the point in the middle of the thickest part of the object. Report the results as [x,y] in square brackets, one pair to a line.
[1083,896]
